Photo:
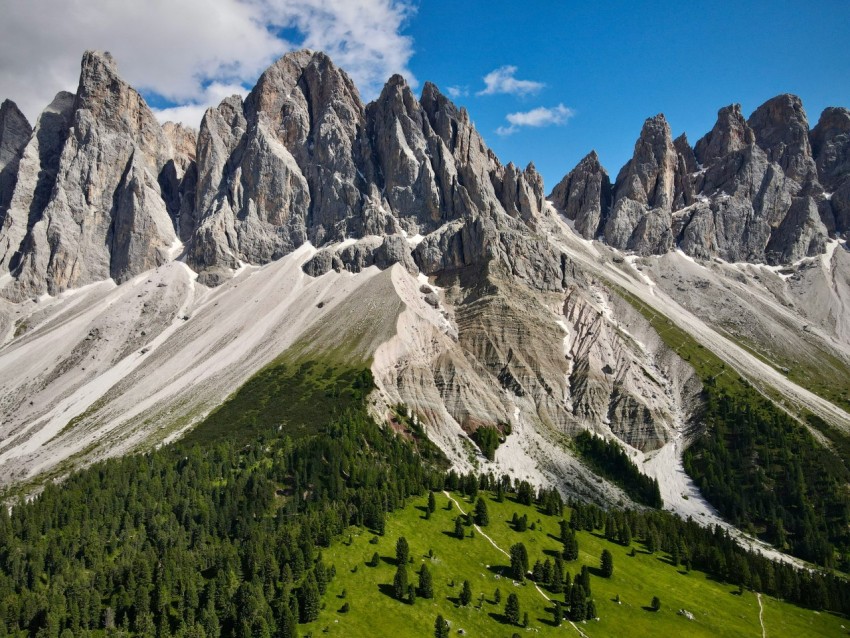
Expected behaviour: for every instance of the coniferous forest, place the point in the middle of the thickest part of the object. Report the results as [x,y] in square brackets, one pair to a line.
[223,537]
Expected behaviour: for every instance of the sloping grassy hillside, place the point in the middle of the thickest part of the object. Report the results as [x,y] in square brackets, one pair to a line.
[718,609]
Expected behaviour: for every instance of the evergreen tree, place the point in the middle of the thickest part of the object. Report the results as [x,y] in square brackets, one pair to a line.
[512,610]
[497,596]
[402,551]
[426,585]
[606,564]
[287,625]
[519,561]
[584,579]
[557,581]
[591,609]
[400,582]
[466,594]
[557,613]
[411,593]
[441,627]
[309,599]
[578,611]
[656,603]
[570,552]
[432,502]
[375,560]
[537,572]
[459,531]
[482,517]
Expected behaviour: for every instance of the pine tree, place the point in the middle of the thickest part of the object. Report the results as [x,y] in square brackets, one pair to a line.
[309,599]
[411,594]
[557,585]
[466,594]
[591,609]
[287,626]
[570,545]
[557,613]
[459,531]
[578,611]
[537,572]
[656,603]
[512,610]
[375,560]
[584,579]
[432,502]
[426,585]
[441,627]
[497,596]
[606,564]
[519,561]
[482,517]
[400,582]
[402,551]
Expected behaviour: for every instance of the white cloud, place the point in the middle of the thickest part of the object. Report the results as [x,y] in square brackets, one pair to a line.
[193,112]
[539,117]
[502,80]
[457,91]
[177,49]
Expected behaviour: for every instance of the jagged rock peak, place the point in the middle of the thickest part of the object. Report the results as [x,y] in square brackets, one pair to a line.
[831,146]
[648,177]
[15,132]
[103,215]
[584,195]
[781,129]
[730,133]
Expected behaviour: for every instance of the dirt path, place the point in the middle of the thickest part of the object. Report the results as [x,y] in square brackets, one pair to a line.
[761,616]
[493,543]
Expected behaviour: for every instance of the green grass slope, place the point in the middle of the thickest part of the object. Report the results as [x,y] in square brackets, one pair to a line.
[718,608]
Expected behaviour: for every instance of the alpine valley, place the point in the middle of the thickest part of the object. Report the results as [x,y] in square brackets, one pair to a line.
[231,357]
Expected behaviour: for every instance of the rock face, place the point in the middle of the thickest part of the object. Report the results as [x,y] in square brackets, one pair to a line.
[36,178]
[831,149]
[302,159]
[750,190]
[641,217]
[15,132]
[101,215]
[584,195]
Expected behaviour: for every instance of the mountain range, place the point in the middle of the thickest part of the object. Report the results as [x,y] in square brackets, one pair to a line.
[148,271]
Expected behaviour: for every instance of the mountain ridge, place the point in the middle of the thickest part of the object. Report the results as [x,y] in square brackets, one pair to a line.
[152,271]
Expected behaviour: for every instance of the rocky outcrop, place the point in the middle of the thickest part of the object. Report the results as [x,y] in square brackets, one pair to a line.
[730,134]
[36,178]
[584,196]
[304,160]
[747,191]
[831,149]
[178,179]
[641,218]
[15,132]
[782,130]
[104,216]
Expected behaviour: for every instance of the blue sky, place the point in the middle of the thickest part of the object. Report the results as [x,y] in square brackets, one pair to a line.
[586,73]
[617,63]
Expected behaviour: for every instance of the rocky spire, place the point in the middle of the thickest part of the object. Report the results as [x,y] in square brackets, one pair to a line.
[36,178]
[105,191]
[782,130]
[584,196]
[831,149]
[644,193]
[15,132]
[729,134]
